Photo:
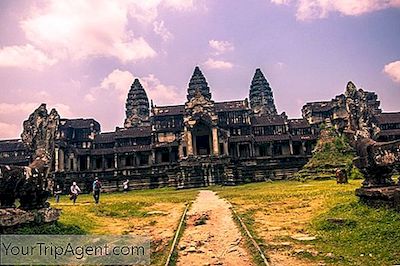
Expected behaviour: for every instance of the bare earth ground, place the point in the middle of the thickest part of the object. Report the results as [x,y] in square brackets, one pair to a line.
[286,220]
[211,236]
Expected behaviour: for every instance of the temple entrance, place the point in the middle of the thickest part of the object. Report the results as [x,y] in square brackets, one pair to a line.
[202,139]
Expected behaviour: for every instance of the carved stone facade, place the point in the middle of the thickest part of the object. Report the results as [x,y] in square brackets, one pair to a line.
[261,97]
[198,143]
[137,106]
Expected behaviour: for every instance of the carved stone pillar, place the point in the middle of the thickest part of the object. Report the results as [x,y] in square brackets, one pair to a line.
[303,148]
[170,154]
[61,160]
[270,149]
[56,162]
[189,143]
[153,156]
[226,149]
[115,160]
[180,151]
[291,147]
[215,141]
[88,162]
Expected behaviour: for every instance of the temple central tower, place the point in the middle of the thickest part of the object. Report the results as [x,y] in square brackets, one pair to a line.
[137,106]
[198,83]
[261,97]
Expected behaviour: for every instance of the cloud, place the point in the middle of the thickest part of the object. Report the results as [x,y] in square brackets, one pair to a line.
[26,108]
[89,98]
[8,131]
[160,29]
[316,9]
[217,64]
[280,2]
[24,56]
[221,46]
[78,29]
[119,82]
[393,70]
[9,113]
[160,93]
[180,4]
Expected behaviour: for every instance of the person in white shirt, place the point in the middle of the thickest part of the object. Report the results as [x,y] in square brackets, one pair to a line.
[126,185]
[75,190]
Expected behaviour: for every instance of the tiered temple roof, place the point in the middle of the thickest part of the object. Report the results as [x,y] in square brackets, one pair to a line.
[261,97]
[198,83]
[137,105]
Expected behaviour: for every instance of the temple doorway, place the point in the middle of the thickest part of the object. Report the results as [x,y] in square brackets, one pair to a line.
[202,139]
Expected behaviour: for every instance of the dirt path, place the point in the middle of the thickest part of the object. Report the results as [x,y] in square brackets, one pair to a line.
[211,236]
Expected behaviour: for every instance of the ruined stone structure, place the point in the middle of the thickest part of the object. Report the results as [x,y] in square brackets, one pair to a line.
[198,143]
[30,184]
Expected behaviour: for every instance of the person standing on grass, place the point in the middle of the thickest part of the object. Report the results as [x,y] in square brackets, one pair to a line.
[126,185]
[57,193]
[75,190]
[96,190]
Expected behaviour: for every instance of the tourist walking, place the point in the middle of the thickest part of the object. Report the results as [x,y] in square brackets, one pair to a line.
[75,190]
[96,190]
[57,193]
[126,185]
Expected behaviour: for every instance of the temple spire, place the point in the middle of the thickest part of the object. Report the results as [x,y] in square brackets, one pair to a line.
[137,106]
[261,97]
[198,83]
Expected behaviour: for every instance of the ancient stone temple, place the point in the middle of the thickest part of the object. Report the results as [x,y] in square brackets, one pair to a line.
[197,143]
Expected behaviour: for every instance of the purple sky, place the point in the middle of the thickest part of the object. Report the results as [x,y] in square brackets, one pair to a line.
[82,56]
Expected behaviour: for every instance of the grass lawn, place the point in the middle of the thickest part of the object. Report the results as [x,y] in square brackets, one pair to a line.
[154,213]
[278,212]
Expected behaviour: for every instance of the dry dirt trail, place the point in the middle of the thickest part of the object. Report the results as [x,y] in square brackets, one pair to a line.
[211,236]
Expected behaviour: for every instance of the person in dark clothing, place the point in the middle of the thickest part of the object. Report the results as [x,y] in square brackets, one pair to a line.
[57,193]
[96,190]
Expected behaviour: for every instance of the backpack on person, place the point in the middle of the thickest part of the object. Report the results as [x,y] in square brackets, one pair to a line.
[97,185]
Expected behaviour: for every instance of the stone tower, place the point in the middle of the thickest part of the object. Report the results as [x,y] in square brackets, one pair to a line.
[198,82]
[137,106]
[261,97]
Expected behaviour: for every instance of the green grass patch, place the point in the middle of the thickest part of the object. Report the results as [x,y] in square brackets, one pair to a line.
[369,236]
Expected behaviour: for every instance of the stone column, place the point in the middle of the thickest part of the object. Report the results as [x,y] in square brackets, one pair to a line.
[291,147]
[153,156]
[115,160]
[137,160]
[189,143]
[103,162]
[180,151]
[78,163]
[226,149]
[88,162]
[215,141]
[61,160]
[303,147]
[237,150]
[270,149]
[56,163]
